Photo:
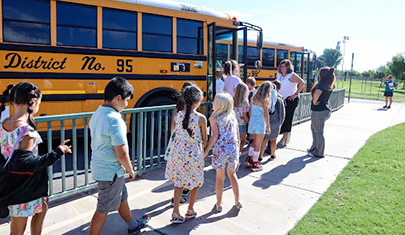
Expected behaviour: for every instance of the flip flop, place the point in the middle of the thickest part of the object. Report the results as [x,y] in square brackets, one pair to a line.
[192,215]
[178,219]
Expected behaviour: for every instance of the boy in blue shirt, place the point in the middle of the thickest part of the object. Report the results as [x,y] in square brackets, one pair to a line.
[390,84]
[110,157]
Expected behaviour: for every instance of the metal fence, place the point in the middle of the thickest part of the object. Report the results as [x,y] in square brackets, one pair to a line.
[148,134]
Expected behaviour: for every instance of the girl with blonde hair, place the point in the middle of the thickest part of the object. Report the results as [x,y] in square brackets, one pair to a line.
[259,123]
[241,109]
[225,139]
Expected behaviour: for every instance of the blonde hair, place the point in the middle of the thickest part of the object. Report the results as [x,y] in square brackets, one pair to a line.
[223,108]
[263,92]
[241,94]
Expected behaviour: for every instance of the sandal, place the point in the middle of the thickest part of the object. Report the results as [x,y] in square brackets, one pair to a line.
[177,219]
[238,205]
[192,215]
[218,207]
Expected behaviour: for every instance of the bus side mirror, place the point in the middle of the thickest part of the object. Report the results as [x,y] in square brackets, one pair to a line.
[259,40]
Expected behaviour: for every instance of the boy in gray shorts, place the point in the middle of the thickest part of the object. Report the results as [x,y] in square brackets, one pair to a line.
[110,157]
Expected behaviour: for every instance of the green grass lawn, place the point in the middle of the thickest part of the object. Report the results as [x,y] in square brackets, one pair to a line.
[370,90]
[368,197]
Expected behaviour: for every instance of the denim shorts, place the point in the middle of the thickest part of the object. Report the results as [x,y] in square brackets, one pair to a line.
[111,194]
[242,129]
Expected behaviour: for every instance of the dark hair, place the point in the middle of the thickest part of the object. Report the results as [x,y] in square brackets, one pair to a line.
[230,66]
[22,93]
[118,86]
[326,79]
[251,81]
[287,64]
[191,95]
[179,96]
[277,83]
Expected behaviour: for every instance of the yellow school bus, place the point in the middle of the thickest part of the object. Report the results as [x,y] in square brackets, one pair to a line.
[71,48]
[270,56]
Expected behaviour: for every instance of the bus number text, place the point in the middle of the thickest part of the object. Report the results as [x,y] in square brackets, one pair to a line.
[124,65]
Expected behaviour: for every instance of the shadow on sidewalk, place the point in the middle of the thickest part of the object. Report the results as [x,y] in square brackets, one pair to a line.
[191,224]
[278,174]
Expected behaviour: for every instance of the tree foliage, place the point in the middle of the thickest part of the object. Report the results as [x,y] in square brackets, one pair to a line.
[331,57]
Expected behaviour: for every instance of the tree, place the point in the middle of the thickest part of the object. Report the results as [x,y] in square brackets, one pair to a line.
[368,74]
[331,57]
[381,72]
[397,67]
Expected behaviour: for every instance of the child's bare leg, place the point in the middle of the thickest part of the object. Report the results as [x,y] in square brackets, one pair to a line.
[177,197]
[124,211]
[234,182]
[219,185]
[386,101]
[273,146]
[193,198]
[97,223]
[17,226]
[38,220]
[242,141]
[390,101]
[263,147]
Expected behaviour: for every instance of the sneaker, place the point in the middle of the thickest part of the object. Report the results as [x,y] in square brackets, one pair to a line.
[185,192]
[182,201]
[389,107]
[260,159]
[385,106]
[272,157]
[248,161]
[256,167]
[142,223]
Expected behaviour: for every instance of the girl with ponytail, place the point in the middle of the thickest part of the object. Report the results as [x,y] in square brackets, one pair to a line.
[24,193]
[185,159]
[321,110]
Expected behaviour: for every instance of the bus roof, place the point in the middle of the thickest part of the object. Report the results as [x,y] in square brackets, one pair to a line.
[179,6]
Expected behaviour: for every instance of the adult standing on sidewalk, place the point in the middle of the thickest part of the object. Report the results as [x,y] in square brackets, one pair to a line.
[320,110]
[390,84]
[291,86]
[232,80]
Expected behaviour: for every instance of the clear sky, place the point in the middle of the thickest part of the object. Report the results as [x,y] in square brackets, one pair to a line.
[376,28]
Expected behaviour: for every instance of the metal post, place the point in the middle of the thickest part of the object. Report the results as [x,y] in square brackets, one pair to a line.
[351,75]
[50,168]
[86,151]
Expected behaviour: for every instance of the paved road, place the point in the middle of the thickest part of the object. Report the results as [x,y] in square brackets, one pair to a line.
[274,200]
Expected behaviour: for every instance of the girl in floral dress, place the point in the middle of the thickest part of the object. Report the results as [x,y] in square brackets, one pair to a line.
[25,98]
[185,161]
[225,139]
[241,109]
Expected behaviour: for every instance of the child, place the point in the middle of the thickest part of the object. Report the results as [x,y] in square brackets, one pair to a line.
[251,83]
[390,84]
[25,187]
[185,161]
[219,83]
[259,123]
[241,109]
[110,158]
[226,146]
[276,117]
[180,105]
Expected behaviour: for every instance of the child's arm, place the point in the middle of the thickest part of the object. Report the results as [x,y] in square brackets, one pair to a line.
[202,123]
[214,136]
[246,117]
[266,115]
[122,154]
[173,124]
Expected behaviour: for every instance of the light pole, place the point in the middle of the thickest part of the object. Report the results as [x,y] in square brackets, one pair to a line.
[344,50]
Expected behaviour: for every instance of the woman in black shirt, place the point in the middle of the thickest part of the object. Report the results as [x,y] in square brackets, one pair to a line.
[320,109]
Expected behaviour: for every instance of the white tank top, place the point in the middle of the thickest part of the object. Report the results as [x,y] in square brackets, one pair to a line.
[288,88]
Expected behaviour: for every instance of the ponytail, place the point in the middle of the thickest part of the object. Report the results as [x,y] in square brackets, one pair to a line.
[186,119]
[191,95]
[5,98]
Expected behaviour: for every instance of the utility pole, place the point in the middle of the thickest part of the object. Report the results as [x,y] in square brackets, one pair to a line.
[345,38]
[351,74]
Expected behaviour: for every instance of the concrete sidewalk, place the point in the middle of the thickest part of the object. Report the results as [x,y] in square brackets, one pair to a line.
[274,200]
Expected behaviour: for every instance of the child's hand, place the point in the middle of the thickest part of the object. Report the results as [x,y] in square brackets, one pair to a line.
[268,131]
[64,148]
[206,151]
[131,174]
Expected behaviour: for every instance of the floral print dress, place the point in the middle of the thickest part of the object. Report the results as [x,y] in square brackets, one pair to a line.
[185,154]
[226,149]
[7,140]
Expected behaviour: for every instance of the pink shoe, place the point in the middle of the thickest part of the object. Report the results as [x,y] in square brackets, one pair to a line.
[256,167]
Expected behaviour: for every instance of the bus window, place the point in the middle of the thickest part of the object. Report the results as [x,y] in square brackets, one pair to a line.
[281,55]
[189,36]
[76,24]
[252,55]
[221,53]
[119,29]
[240,53]
[298,64]
[156,33]
[26,21]
[268,57]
